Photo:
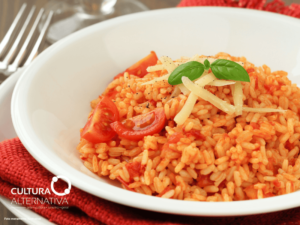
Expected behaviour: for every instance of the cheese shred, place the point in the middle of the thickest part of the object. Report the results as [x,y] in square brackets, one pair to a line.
[262,110]
[165,77]
[168,64]
[186,110]
[196,89]
[220,83]
[238,98]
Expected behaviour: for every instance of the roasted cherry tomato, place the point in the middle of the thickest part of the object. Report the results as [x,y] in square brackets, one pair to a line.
[111,94]
[97,128]
[142,125]
[140,68]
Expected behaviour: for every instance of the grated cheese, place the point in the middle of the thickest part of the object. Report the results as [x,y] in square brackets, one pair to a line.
[262,110]
[219,83]
[175,92]
[183,89]
[207,96]
[196,89]
[155,68]
[186,110]
[168,64]
[238,98]
[205,79]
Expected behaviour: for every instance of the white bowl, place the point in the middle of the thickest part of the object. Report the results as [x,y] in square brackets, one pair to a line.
[51,100]
[6,132]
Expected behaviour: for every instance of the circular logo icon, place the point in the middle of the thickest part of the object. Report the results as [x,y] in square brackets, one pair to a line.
[67,191]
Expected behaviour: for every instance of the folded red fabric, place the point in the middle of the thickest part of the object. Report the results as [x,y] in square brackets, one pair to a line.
[19,170]
[277,6]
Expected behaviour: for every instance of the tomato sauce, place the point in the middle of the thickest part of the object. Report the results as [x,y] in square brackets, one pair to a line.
[204,180]
[255,126]
[134,169]
[196,134]
[125,184]
[174,138]
[289,146]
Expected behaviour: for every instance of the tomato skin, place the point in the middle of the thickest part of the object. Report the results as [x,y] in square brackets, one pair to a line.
[97,129]
[174,138]
[152,102]
[125,184]
[196,134]
[133,169]
[204,180]
[137,133]
[139,69]
[270,88]
[250,70]
[289,146]
[111,94]
[277,183]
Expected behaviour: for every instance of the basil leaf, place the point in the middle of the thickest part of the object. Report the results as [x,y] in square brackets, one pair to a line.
[192,70]
[206,64]
[229,70]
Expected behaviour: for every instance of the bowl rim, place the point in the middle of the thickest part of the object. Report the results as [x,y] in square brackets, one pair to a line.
[118,195]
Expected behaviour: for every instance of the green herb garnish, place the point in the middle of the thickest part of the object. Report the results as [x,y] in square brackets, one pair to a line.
[192,70]
[221,68]
[206,64]
[229,70]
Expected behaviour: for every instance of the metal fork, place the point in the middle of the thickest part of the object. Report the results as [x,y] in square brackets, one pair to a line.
[11,63]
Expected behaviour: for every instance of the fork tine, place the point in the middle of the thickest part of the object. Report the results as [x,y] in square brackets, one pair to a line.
[14,66]
[5,41]
[12,51]
[39,40]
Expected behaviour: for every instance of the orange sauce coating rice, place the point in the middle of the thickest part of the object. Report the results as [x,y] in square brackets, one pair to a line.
[212,156]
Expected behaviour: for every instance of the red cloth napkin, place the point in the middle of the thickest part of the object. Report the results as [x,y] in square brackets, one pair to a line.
[277,6]
[18,169]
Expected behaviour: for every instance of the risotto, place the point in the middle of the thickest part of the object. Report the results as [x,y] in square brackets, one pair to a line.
[203,139]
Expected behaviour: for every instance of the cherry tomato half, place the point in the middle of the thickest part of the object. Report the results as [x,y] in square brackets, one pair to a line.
[140,68]
[142,125]
[111,94]
[97,128]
